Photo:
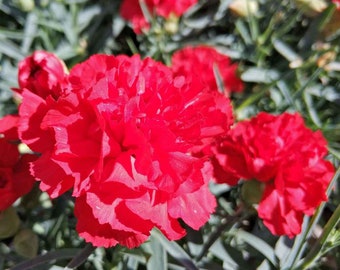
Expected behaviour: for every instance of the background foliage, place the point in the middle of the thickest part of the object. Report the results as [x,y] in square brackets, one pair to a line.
[288,60]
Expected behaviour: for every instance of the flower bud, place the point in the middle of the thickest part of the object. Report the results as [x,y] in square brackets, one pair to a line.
[42,73]
[244,8]
[326,58]
[311,8]
[252,191]
[26,243]
[332,26]
[26,5]
[9,223]
[171,24]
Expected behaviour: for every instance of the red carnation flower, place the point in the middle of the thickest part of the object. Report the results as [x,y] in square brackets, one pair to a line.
[15,179]
[9,127]
[122,139]
[43,74]
[286,157]
[131,11]
[203,62]
[337,3]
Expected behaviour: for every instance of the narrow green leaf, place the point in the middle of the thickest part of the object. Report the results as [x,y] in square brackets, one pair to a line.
[46,258]
[218,79]
[219,251]
[316,249]
[146,13]
[311,109]
[81,257]
[244,32]
[315,27]
[260,245]
[308,224]
[284,89]
[29,32]
[10,49]
[10,34]
[286,51]
[158,259]
[86,16]
[175,250]
[259,75]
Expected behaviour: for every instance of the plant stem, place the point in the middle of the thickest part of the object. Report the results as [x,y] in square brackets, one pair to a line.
[225,223]
[298,250]
[316,250]
[81,257]
[46,258]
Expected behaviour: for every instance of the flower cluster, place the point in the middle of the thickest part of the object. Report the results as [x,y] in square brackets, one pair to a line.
[132,11]
[285,158]
[120,132]
[134,140]
[209,66]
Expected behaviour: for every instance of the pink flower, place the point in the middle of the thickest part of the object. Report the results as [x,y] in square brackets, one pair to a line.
[43,74]
[122,138]
[131,11]
[286,157]
[203,62]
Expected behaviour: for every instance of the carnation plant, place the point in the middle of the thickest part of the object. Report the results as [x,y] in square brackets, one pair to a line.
[192,134]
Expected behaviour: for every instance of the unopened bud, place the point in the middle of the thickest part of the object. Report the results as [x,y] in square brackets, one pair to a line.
[26,243]
[252,191]
[244,8]
[311,8]
[26,5]
[171,24]
[9,223]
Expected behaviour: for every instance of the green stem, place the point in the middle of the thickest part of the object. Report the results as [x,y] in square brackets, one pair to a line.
[132,46]
[81,257]
[218,231]
[250,100]
[46,258]
[316,250]
[300,246]
[334,152]
[311,79]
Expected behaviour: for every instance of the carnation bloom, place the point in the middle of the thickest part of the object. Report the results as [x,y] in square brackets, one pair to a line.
[122,138]
[286,158]
[15,179]
[131,11]
[207,64]
[43,74]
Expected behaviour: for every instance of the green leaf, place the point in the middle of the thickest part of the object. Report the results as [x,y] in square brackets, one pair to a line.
[175,250]
[10,49]
[86,16]
[46,258]
[220,252]
[316,27]
[286,51]
[285,91]
[261,246]
[328,232]
[158,259]
[243,31]
[30,32]
[10,34]
[82,256]
[311,109]
[259,75]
